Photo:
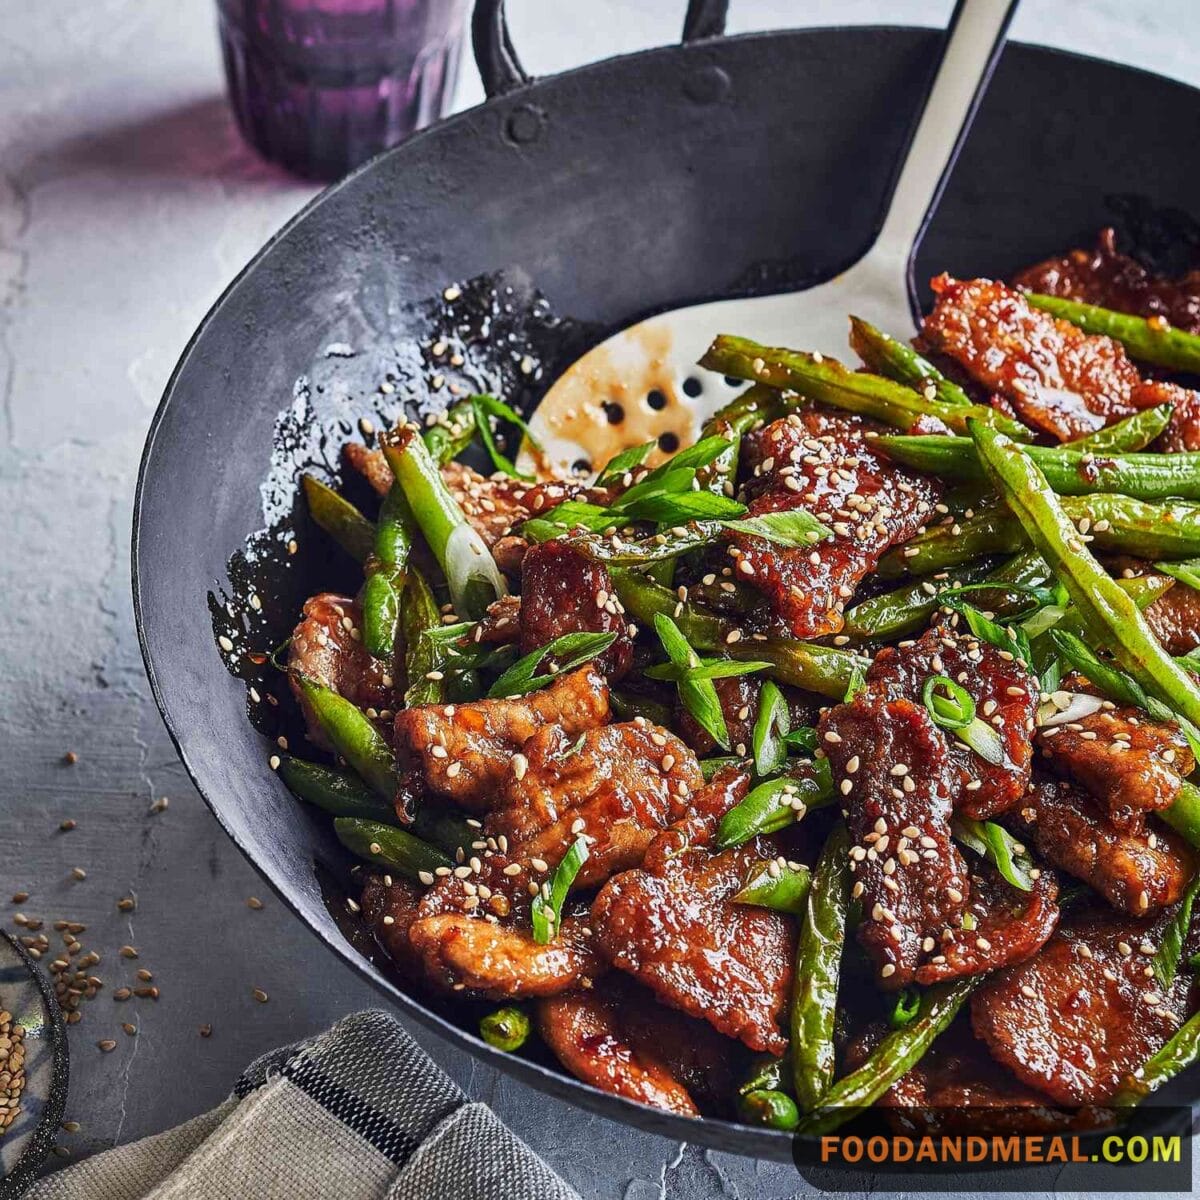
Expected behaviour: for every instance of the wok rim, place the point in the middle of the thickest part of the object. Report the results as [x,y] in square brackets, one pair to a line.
[712,1132]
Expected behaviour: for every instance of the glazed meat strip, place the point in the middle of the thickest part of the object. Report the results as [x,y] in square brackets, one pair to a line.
[1057,378]
[1006,695]
[464,751]
[823,462]
[470,931]
[620,1039]
[564,591]
[898,785]
[1010,925]
[1134,868]
[673,925]
[326,647]
[1078,1017]
[619,786]
[1174,618]
[1106,277]
[1129,762]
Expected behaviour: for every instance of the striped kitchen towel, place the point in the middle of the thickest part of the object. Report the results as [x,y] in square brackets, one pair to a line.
[358,1113]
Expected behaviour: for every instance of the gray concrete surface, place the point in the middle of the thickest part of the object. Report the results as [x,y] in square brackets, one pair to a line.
[126,203]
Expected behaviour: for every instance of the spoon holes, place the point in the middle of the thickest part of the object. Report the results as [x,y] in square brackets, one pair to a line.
[692,387]
[656,399]
[582,466]
[614,412]
[668,443]
[733,382]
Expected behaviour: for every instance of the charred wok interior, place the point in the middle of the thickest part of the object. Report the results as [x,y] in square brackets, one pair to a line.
[841,758]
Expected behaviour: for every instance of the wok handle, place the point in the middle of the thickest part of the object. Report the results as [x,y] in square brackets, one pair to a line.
[501,70]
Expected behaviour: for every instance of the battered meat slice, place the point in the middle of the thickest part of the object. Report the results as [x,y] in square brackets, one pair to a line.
[471,932]
[620,1039]
[897,782]
[326,647]
[1058,378]
[501,624]
[672,924]
[1130,763]
[465,751]
[1111,279]
[1134,868]
[389,907]
[739,697]
[619,786]
[564,591]
[1006,697]
[823,462]
[1009,926]
[1077,1018]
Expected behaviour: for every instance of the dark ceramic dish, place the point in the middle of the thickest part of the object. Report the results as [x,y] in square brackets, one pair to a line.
[721,166]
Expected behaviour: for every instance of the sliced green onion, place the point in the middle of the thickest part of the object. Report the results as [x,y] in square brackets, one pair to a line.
[794,528]
[955,710]
[698,696]
[998,846]
[905,1008]
[547,912]
[1170,945]
[771,727]
[628,460]
[573,649]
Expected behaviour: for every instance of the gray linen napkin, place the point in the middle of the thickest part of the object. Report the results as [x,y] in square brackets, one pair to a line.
[359,1113]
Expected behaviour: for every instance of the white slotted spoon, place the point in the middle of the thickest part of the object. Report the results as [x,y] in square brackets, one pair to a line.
[651,360]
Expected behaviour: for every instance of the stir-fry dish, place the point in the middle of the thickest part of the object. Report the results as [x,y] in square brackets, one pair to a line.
[841,758]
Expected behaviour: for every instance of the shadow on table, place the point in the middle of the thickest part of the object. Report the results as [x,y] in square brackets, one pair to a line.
[196,140]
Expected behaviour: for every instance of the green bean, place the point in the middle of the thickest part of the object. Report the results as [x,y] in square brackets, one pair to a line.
[774,1109]
[818,968]
[899,361]
[1068,472]
[419,614]
[1126,436]
[1184,814]
[1150,340]
[1111,617]
[832,383]
[339,518]
[768,1072]
[387,846]
[505,1028]
[1143,590]
[452,434]
[1118,524]
[783,891]
[474,579]
[1181,1052]
[353,736]
[628,705]
[892,1059]
[643,599]
[773,805]
[386,574]
[342,793]
[906,609]
[752,407]
[825,670]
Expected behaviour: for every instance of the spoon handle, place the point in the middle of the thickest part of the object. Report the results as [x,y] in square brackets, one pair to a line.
[970,52]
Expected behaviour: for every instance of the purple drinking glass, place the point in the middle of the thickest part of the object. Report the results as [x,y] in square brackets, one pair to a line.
[321,85]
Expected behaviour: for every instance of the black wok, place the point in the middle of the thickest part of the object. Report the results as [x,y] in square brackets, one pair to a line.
[717,167]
